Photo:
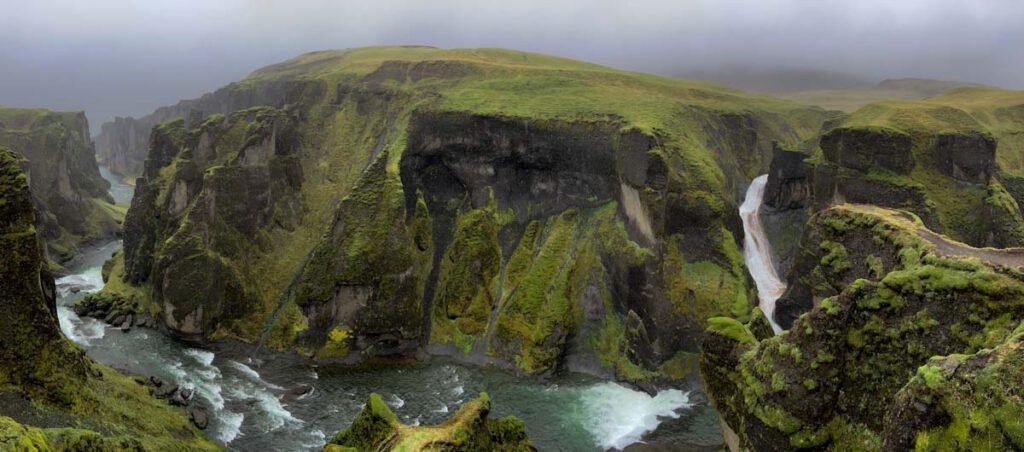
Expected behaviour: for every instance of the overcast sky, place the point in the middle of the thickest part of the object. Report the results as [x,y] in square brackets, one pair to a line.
[129,57]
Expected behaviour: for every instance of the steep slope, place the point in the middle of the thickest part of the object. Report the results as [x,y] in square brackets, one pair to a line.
[469,429]
[857,371]
[44,378]
[70,197]
[964,145]
[498,206]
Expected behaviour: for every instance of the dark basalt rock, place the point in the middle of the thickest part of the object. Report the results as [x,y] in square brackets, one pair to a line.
[967,157]
[297,392]
[887,296]
[199,416]
[35,356]
[862,148]
[60,162]
[789,180]
[124,143]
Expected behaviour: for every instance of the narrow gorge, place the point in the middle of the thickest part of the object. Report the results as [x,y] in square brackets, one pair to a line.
[413,248]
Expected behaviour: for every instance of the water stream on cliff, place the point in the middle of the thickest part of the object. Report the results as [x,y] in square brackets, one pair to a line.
[757,251]
[252,409]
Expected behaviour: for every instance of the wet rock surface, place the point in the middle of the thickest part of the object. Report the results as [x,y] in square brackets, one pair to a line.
[883,301]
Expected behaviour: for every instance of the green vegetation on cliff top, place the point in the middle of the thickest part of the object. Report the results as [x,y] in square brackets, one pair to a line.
[833,380]
[352,110]
[469,429]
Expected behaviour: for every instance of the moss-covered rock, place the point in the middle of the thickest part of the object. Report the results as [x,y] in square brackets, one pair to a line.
[69,195]
[469,429]
[884,295]
[917,156]
[53,377]
[864,148]
[400,199]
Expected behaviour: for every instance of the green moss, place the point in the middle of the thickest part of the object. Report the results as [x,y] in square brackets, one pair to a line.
[730,328]
[835,258]
[470,429]
[466,287]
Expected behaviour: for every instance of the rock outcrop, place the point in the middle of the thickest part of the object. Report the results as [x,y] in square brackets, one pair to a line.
[70,197]
[885,295]
[35,355]
[43,376]
[123,144]
[377,208]
[951,163]
[469,429]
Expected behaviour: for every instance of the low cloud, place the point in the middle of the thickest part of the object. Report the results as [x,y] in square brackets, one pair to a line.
[128,57]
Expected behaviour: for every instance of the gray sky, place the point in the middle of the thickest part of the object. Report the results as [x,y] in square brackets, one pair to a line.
[129,57]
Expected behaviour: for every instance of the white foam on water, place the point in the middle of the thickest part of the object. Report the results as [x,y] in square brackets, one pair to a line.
[230,426]
[245,370]
[458,390]
[396,402]
[757,252]
[317,440]
[276,413]
[89,281]
[251,374]
[443,409]
[177,369]
[617,416]
[201,356]
[80,330]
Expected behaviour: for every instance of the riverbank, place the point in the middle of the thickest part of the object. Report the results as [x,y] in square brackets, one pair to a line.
[255,403]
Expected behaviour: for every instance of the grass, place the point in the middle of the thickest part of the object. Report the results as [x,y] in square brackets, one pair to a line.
[377,428]
[362,105]
[850,100]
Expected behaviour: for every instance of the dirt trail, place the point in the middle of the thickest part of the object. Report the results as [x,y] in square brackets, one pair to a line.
[1010,257]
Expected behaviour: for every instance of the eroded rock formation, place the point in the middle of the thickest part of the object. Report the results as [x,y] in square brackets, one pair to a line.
[469,429]
[69,195]
[887,296]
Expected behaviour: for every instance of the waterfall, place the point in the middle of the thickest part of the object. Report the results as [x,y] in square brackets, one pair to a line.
[757,251]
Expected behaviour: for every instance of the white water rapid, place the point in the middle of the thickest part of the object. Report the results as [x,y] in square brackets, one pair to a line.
[757,251]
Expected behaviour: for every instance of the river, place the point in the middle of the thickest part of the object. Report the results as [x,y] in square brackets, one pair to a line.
[757,251]
[249,411]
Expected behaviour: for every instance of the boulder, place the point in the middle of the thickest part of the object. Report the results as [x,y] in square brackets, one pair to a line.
[199,416]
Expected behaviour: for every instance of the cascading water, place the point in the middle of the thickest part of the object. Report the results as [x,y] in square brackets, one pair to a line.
[757,251]
[254,406]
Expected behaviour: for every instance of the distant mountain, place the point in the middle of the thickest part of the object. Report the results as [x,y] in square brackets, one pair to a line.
[773,80]
[849,100]
[826,89]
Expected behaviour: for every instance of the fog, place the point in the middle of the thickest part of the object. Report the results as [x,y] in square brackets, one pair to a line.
[128,57]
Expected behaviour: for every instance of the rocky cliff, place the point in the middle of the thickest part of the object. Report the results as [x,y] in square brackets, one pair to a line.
[123,143]
[864,369]
[47,381]
[953,160]
[70,197]
[469,429]
[497,206]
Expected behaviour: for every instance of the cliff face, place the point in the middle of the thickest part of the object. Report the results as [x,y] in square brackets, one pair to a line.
[953,160]
[411,198]
[70,196]
[856,372]
[123,143]
[43,376]
[35,355]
